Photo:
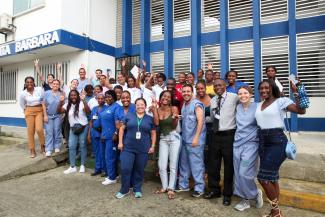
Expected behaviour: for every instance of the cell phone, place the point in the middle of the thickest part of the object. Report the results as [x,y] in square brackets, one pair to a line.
[293,79]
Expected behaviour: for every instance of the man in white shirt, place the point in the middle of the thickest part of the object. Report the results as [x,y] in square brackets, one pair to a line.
[160,86]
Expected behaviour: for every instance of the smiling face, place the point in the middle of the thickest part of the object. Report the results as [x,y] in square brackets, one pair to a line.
[74,84]
[181,78]
[101,100]
[118,93]
[121,79]
[166,98]
[73,97]
[98,74]
[187,93]
[265,90]
[55,85]
[171,85]
[50,79]
[29,83]
[125,99]
[131,83]
[140,106]
[244,95]
[219,87]
[200,74]
[82,73]
[109,99]
[270,72]
[190,79]
[209,76]
[97,90]
[200,90]
[231,77]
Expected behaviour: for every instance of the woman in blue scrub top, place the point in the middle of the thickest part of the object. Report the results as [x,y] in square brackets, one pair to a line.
[95,132]
[108,121]
[138,141]
[128,107]
[233,84]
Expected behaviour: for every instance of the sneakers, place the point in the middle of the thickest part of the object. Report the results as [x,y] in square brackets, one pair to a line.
[119,195]
[137,194]
[57,150]
[259,199]
[70,170]
[242,205]
[48,154]
[107,181]
[82,169]
[182,189]
[197,194]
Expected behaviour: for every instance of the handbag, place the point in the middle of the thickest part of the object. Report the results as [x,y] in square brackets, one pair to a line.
[303,97]
[291,148]
[77,128]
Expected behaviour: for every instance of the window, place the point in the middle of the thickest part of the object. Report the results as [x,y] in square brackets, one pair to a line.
[311,62]
[275,53]
[242,61]
[157,20]
[157,62]
[8,85]
[240,13]
[119,23]
[24,5]
[136,11]
[130,62]
[211,54]
[309,8]
[210,15]
[182,18]
[182,61]
[51,69]
[271,12]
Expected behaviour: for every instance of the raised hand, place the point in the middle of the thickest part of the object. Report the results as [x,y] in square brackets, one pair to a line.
[83,95]
[36,63]
[154,102]
[123,63]
[209,66]
[144,64]
[62,97]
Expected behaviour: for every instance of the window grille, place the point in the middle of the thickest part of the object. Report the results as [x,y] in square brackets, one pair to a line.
[157,20]
[157,62]
[275,52]
[210,15]
[8,85]
[136,27]
[240,13]
[50,68]
[309,8]
[182,61]
[119,23]
[274,11]
[311,62]
[182,18]
[211,54]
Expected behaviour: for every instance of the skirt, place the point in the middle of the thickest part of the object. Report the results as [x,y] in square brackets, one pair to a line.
[272,145]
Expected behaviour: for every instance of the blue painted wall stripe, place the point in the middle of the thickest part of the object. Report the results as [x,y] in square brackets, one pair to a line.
[195,36]
[168,38]
[257,47]
[224,46]
[126,27]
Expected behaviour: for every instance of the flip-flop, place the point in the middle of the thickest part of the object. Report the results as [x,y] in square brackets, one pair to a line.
[161,191]
[171,195]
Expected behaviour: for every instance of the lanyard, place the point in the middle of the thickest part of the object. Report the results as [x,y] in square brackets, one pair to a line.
[139,122]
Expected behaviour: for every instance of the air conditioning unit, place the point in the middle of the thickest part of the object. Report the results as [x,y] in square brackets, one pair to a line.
[6,23]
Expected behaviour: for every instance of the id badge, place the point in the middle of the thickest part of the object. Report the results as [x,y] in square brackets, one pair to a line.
[95,117]
[138,135]
[217,116]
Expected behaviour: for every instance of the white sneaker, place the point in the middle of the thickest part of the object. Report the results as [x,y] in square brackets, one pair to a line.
[242,205]
[108,181]
[57,150]
[259,199]
[48,154]
[70,170]
[82,169]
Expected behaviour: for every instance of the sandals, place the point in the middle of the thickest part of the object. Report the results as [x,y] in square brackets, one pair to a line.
[32,153]
[171,194]
[274,208]
[161,191]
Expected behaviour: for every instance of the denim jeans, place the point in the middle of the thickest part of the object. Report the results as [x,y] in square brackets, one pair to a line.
[53,133]
[169,147]
[73,142]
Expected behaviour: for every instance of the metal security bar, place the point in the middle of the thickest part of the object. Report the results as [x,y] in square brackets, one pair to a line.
[240,13]
[311,62]
[242,60]
[309,8]
[8,85]
[157,19]
[274,11]
[119,23]
[136,10]
[157,62]
[50,68]
[182,61]
[210,15]
[182,18]
[211,54]
[275,53]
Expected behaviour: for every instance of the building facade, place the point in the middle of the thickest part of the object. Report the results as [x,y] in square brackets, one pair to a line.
[179,36]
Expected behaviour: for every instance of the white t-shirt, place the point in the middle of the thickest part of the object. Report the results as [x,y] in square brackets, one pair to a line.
[92,103]
[135,93]
[273,115]
[125,86]
[157,91]
[277,82]
[80,119]
[27,99]
[147,95]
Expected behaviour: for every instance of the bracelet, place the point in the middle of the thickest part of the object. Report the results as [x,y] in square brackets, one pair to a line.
[153,146]
[296,94]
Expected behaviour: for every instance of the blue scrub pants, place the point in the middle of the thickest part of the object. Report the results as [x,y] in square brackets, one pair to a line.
[192,162]
[98,153]
[132,170]
[53,133]
[110,159]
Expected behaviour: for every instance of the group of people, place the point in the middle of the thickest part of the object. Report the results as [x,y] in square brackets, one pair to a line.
[196,122]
